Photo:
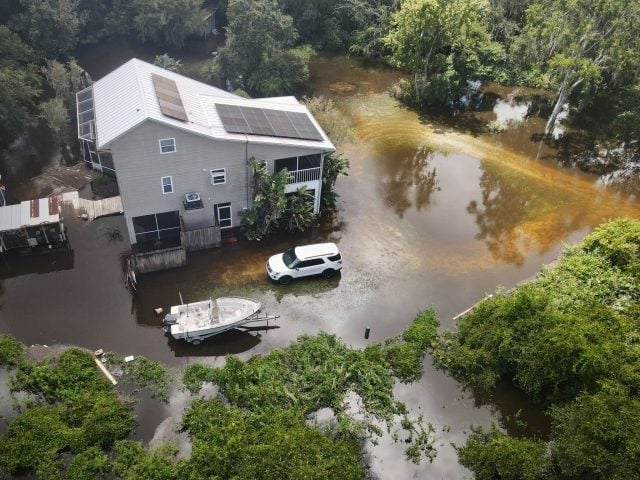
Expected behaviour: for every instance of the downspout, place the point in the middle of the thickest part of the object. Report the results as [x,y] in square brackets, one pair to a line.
[246,160]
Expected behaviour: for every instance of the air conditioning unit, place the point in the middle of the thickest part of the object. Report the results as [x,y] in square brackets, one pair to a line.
[192,201]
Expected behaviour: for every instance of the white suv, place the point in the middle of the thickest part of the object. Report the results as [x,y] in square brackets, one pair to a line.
[319,259]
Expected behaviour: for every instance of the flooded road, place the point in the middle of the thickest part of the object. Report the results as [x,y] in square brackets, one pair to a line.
[435,212]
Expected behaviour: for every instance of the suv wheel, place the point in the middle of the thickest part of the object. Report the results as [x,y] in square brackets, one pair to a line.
[328,273]
[196,341]
[284,280]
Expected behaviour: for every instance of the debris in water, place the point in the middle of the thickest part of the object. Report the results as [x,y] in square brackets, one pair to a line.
[158,310]
[129,358]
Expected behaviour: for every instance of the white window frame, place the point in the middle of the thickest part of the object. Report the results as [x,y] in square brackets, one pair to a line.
[218,207]
[218,172]
[162,185]
[175,149]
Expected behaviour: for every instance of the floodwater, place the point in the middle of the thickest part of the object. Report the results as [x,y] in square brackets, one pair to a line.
[435,212]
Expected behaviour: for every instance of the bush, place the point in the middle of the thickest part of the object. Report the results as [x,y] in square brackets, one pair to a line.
[494,455]
[406,353]
[82,415]
[196,374]
[11,351]
[596,435]
[267,443]
[619,242]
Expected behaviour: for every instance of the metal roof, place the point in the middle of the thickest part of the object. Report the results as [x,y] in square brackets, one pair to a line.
[29,213]
[126,97]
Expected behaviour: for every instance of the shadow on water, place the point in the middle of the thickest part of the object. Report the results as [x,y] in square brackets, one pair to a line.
[15,265]
[231,342]
[517,414]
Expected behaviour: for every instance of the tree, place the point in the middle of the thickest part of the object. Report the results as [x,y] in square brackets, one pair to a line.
[51,26]
[56,116]
[269,201]
[65,80]
[167,22]
[572,45]
[281,72]
[168,63]
[441,43]
[299,212]
[19,85]
[371,21]
[334,166]
[259,54]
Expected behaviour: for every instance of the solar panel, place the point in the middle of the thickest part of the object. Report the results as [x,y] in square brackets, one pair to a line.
[168,97]
[258,122]
[303,124]
[233,119]
[281,123]
[264,121]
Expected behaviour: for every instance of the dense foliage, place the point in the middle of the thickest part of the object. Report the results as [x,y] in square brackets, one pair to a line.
[495,455]
[268,443]
[272,208]
[569,339]
[11,351]
[77,412]
[320,372]
[443,44]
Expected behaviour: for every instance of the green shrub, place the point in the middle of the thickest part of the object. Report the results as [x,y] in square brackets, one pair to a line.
[494,455]
[11,351]
[619,242]
[196,374]
[269,443]
[406,353]
[596,436]
[149,374]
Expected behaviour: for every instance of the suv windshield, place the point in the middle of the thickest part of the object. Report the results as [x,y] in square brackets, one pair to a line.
[289,258]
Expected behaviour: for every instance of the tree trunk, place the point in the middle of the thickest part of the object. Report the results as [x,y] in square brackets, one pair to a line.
[563,96]
[561,99]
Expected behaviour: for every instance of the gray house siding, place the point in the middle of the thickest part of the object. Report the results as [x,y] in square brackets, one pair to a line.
[140,166]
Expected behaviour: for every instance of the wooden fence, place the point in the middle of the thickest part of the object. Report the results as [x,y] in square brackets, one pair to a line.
[160,259]
[93,208]
[201,238]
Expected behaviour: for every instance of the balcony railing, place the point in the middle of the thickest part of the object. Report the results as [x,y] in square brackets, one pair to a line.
[306,175]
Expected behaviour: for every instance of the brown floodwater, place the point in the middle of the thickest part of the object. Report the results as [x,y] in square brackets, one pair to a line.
[436,211]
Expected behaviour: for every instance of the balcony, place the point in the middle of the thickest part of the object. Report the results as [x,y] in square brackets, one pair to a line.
[305,175]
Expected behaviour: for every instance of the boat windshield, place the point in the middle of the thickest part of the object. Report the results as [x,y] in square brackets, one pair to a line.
[289,258]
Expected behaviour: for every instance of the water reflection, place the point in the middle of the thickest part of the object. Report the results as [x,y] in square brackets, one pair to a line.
[408,180]
[14,265]
[518,415]
[517,214]
[509,111]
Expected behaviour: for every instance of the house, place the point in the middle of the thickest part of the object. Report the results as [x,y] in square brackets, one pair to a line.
[179,148]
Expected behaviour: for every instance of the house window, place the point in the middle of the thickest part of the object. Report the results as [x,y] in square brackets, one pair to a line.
[167,145]
[161,227]
[291,164]
[303,162]
[167,185]
[222,212]
[218,176]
